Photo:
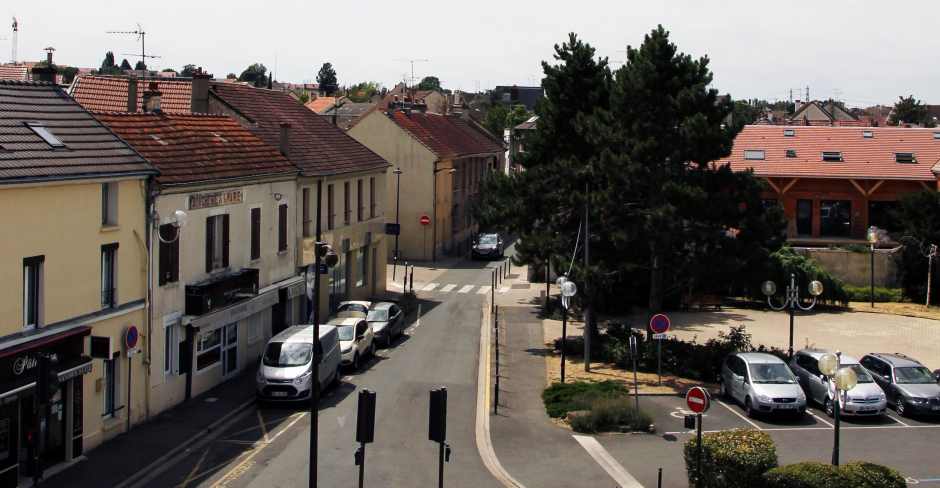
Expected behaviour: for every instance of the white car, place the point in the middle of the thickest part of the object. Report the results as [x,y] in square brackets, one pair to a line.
[353,309]
[356,339]
[287,366]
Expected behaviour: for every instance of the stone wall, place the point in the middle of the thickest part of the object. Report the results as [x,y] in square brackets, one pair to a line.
[855,268]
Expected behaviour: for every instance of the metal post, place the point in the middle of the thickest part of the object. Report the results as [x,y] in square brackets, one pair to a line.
[792,297]
[660,484]
[496,393]
[493,291]
[659,367]
[412,278]
[791,329]
[588,309]
[548,283]
[836,407]
[933,251]
[397,202]
[37,433]
[394,264]
[564,336]
[315,399]
[362,464]
[873,275]
[404,282]
[129,369]
[440,470]
[698,457]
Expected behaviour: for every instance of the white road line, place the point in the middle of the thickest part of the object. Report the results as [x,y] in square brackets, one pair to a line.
[739,415]
[429,287]
[396,285]
[504,289]
[613,468]
[897,420]
[483,290]
[418,322]
[448,288]
[465,289]
[829,429]
[819,417]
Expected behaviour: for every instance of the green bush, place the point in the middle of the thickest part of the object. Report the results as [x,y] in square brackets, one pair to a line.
[863,294]
[603,413]
[856,474]
[558,397]
[862,474]
[732,458]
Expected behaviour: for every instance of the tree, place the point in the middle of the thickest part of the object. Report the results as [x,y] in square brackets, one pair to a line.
[908,111]
[327,79]
[362,92]
[231,76]
[140,66]
[108,61]
[917,218]
[304,97]
[255,74]
[495,119]
[125,65]
[189,69]
[430,83]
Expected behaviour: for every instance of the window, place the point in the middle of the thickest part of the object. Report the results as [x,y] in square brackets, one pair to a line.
[171,345]
[255,233]
[109,275]
[791,153]
[330,210]
[757,154]
[111,373]
[346,210]
[217,232]
[32,292]
[46,135]
[362,266]
[208,349]
[372,198]
[835,218]
[936,135]
[905,158]
[360,207]
[867,134]
[306,212]
[109,203]
[788,133]
[169,271]
[282,227]
[832,156]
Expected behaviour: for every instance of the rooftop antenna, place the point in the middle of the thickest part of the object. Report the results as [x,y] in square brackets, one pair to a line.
[16,30]
[140,36]
[413,61]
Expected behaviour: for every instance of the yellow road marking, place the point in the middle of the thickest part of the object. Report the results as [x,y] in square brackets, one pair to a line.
[233,434]
[263,430]
[195,468]
[245,465]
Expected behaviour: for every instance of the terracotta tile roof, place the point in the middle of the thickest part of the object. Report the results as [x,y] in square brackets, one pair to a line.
[476,130]
[11,72]
[106,94]
[316,147]
[91,150]
[438,134]
[189,148]
[865,158]
[320,104]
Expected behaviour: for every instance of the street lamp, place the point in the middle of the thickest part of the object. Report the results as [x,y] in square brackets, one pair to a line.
[434,238]
[793,299]
[178,220]
[873,239]
[844,380]
[568,289]
[397,200]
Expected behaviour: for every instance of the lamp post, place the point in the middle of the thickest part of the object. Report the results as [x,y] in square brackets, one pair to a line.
[397,201]
[568,289]
[793,299]
[843,380]
[873,239]
[434,237]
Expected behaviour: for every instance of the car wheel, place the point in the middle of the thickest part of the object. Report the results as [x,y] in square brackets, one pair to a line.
[724,390]
[749,408]
[899,406]
[355,362]
[335,381]
[372,349]
[829,407]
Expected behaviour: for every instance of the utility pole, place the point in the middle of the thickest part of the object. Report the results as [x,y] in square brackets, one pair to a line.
[315,390]
[589,310]
[16,30]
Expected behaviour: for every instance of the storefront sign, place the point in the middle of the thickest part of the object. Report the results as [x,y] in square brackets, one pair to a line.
[233,313]
[217,199]
[73,373]
[296,289]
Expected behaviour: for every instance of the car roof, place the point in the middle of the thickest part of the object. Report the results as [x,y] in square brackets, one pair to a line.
[355,302]
[818,353]
[301,333]
[343,321]
[489,234]
[382,306]
[897,359]
[759,357]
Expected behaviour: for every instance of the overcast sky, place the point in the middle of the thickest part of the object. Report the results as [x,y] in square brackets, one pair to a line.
[862,52]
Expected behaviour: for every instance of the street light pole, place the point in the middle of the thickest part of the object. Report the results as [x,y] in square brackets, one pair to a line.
[873,239]
[397,201]
[841,380]
[434,236]
[792,300]
[315,398]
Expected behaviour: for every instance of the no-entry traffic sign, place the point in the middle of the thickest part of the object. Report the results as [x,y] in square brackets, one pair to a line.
[698,399]
[425,220]
[659,323]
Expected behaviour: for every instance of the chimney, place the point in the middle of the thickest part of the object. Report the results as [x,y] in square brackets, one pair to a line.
[199,100]
[465,111]
[514,94]
[422,107]
[45,73]
[391,109]
[284,143]
[152,98]
[132,93]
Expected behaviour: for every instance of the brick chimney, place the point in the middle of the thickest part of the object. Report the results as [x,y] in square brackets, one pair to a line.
[465,111]
[152,98]
[284,142]
[45,73]
[199,100]
[132,93]
[420,107]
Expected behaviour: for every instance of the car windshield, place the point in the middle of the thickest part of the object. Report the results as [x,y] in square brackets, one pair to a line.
[914,375]
[377,316]
[352,307]
[771,373]
[345,332]
[285,355]
[487,239]
[861,373]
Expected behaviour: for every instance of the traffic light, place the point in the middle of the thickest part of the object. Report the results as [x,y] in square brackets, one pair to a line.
[437,415]
[48,379]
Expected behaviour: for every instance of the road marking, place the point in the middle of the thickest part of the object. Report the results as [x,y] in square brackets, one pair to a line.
[613,468]
[195,468]
[465,289]
[739,415]
[843,427]
[429,287]
[418,322]
[264,431]
[897,420]
[396,285]
[483,290]
[504,289]
[448,288]
[820,418]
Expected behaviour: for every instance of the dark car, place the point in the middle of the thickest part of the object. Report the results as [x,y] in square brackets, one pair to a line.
[488,246]
[907,383]
[387,321]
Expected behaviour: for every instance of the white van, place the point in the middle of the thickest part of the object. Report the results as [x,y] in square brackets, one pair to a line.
[286,365]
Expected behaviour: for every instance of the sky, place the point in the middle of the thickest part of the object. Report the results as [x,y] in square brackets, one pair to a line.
[846,50]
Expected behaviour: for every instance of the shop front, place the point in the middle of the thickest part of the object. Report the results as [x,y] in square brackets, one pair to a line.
[58,427]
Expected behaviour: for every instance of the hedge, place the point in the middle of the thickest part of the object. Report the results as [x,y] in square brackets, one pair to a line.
[863,294]
[855,474]
[732,458]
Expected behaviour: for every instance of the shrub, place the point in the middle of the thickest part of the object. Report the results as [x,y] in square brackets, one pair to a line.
[856,474]
[602,413]
[882,295]
[558,397]
[862,474]
[732,458]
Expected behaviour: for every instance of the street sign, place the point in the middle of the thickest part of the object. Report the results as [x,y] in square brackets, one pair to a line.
[659,323]
[101,347]
[659,336]
[392,229]
[131,337]
[698,399]
[324,269]
[132,352]
[425,220]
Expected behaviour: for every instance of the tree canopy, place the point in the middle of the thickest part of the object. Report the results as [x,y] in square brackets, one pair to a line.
[188,70]
[125,65]
[255,74]
[304,97]
[430,83]
[362,92]
[917,218]
[108,60]
[909,111]
[327,79]
[140,66]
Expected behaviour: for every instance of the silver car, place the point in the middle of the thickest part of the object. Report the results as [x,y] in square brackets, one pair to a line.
[287,366]
[762,383]
[866,399]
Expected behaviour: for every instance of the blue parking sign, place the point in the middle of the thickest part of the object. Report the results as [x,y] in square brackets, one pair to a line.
[393,229]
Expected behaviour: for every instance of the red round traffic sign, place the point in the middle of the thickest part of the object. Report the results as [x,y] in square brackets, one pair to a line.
[659,323]
[698,399]
[131,337]
[425,220]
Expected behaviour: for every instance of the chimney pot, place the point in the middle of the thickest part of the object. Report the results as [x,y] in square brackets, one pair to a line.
[132,93]
[199,97]
[391,109]
[285,139]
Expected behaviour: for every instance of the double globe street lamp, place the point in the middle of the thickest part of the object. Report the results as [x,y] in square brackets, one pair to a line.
[844,379]
[793,299]
[568,289]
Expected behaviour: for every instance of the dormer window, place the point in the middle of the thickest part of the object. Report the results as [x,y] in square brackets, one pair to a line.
[904,158]
[46,135]
[791,153]
[867,134]
[832,156]
[788,133]
[755,154]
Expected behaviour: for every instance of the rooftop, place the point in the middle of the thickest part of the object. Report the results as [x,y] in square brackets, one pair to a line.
[14,72]
[107,94]
[439,134]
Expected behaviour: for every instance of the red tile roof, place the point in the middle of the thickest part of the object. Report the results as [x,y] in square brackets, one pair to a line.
[864,158]
[477,131]
[316,147]
[11,72]
[438,134]
[189,148]
[319,104]
[106,94]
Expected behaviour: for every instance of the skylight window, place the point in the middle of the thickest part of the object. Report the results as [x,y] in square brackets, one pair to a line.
[791,153]
[936,135]
[46,135]
[757,154]
[220,137]
[832,156]
[788,133]
[158,139]
[905,158]
[867,134]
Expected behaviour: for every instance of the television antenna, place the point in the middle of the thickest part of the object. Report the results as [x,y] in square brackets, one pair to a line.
[141,36]
[413,61]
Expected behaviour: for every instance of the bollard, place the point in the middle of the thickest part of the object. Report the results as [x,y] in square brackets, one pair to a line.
[509,263]
[660,478]
[412,278]
[404,278]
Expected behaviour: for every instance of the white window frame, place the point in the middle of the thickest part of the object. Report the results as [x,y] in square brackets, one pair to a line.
[217,244]
[171,345]
[202,349]
[754,154]
[109,203]
[40,316]
[112,388]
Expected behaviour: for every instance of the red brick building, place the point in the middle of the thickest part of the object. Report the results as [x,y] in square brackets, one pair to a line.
[835,182]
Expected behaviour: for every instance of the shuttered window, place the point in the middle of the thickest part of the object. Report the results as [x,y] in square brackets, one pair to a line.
[360,208]
[217,236]
[210,242]
[256,233]
[169,267]
[372,198]
[306,212]
[346,210]
[225,234]
[282,228]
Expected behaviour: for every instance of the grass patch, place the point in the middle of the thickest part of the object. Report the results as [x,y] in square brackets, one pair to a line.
[605,406]
[558,397]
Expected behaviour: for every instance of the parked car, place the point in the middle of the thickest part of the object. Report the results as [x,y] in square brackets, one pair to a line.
[286,365]
[387,321]
[866,399]
[488,246]
[909,386]
[355,340]
[761,382]
[354,308]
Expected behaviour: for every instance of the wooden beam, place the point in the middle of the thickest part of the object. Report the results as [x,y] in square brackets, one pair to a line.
[875,187]
[771,183]
[925,185]
[788,186]
[857,186]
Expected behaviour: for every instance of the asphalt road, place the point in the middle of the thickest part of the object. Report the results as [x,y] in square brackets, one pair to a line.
[267,446]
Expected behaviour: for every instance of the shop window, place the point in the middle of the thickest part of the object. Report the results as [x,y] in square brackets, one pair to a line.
[33,292]
[109,275]
[362,266]
[217,232]
[171,347]
[208,349]
[835,218]
[111,386]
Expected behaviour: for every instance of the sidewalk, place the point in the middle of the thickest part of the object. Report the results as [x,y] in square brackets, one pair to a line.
[117,460]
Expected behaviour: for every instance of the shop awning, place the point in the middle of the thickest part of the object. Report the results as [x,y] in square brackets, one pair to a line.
[266,298]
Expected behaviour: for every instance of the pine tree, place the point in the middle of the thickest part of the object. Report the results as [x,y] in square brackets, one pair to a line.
[125,65]
[327,79]
[108,61]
